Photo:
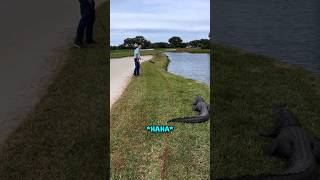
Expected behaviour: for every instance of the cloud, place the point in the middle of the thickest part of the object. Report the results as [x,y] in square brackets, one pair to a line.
[162,30]
[152,21]
[154,17]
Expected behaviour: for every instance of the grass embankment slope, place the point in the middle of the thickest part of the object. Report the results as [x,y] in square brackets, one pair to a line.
[246,86]
[65,137]
[152,99]
[129,52]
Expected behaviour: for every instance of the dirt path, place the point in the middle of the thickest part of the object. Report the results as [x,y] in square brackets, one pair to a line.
[121,70]
[31,34]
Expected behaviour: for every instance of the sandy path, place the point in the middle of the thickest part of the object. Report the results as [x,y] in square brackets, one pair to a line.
[121,71]
[31,34]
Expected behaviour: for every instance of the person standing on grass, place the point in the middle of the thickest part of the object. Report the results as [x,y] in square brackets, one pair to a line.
[86,23]
[137,59]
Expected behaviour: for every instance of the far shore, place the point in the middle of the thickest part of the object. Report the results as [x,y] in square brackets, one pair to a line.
[129,52]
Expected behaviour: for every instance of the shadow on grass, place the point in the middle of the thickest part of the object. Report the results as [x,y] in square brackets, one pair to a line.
[65,136]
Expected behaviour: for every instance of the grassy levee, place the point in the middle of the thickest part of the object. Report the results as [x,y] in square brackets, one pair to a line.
[152,99]
[65,136]
[246,86]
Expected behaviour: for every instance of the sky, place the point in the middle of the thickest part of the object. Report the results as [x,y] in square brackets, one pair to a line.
[159,20]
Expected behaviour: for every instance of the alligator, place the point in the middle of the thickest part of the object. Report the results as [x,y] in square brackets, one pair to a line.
[200,106]
[291,142]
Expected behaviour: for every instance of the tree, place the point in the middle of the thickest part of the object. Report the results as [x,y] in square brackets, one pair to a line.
[130,42]
[160,45]
[202,43]
[205,43]
[113,47]
[142,40]
[175,42]
[183,45]
[195,43]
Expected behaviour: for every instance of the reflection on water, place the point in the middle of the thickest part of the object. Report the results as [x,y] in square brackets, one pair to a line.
[287,30]
[193,66]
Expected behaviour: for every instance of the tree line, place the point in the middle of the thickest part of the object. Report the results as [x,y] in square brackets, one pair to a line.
[173,42]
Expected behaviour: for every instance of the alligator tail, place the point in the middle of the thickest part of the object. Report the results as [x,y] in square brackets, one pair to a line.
[194,119]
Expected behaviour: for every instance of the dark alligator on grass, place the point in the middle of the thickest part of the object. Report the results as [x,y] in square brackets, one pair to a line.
[293,143]
[200,106]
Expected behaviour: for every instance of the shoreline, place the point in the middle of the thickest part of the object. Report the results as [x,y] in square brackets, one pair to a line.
[265,56]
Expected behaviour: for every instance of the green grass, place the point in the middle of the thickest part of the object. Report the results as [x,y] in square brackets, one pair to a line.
[65,136]
[129,52]
[153,98]
[246,86]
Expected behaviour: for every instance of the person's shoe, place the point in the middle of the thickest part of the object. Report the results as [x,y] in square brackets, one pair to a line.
[91,42]
[78,44]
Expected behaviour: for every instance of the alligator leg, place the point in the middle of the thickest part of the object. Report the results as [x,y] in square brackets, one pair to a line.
[271,148]
[194,107]
[284,147]
[280,147]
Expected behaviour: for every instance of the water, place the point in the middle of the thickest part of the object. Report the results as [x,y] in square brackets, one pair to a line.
[192,66]
[288,30]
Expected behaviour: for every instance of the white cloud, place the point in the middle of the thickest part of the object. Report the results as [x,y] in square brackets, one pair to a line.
[128,21]
[156,16]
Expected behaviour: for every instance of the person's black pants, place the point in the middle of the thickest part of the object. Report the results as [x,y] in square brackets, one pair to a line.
[86,22]
[137,67]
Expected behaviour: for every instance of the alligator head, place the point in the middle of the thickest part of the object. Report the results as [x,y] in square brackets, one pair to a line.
[282,117]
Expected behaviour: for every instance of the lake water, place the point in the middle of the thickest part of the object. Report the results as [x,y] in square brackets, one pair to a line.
[288,30]
[189,65]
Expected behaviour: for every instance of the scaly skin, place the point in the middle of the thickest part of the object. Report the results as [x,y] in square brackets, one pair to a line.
[293,143]
[200,106]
